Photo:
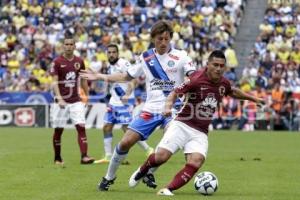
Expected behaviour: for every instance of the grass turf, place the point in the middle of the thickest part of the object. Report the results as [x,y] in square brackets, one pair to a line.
[249,166]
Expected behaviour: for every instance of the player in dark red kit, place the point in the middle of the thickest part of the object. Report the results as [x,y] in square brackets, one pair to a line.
[189,130]
[66,82]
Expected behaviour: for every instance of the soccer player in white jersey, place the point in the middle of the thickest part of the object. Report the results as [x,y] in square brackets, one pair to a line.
[164,68]
[119,109]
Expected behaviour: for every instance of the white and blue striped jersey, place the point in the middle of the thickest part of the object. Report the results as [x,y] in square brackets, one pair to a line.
[117,90]
[175,64]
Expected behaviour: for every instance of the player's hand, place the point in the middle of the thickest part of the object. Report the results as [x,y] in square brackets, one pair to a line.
[90,75]
[62,103]
[261,103]
[167,113]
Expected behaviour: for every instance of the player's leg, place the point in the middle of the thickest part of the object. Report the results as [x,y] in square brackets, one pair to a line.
[149,179]
[139,129]
[58,118]
[119,154]
[194,162]
[169,144]
[107,142]
[143,144]
[77,114]
[195,149]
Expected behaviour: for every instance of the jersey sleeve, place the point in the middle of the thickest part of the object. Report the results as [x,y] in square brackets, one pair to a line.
[186,86]
[188,64]
[82,67]
[136,70]
[126,66]
[228,89]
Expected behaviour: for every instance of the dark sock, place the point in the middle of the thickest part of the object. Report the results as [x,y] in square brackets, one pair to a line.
[57,143]
[82,140]
[182,177]
[150,162]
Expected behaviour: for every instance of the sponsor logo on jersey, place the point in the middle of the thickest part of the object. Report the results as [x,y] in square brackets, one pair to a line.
[210,101]
[165,85]
[62,66]
[173,56]
[70,79]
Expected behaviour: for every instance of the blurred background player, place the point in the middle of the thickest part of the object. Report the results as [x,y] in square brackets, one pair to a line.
[66,84]
[119,110]
[164,67]
[189,131]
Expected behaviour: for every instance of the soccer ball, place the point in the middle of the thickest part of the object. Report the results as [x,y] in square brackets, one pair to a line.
[206,183]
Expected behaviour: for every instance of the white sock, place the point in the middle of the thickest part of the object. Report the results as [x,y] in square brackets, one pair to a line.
[152,170]
[143,145]
[107,141]
[115,161]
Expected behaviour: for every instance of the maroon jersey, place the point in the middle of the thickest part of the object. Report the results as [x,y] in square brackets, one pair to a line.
[68,77]
[202,99]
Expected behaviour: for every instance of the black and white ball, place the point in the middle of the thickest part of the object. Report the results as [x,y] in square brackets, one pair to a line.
[206,183]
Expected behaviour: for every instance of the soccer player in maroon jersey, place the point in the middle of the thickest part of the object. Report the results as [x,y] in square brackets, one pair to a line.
[66,83]
[189,130]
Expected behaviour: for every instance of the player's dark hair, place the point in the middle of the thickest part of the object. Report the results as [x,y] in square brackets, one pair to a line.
[68,35]
[217,54]
[161,27]
[114,46]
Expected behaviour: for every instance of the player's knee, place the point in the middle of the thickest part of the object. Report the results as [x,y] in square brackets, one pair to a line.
[197,161]
[161,156]
[126,144]
[107,128]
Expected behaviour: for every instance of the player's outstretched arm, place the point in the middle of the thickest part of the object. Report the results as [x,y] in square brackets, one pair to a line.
[239,94]
[169,104]
[117,77]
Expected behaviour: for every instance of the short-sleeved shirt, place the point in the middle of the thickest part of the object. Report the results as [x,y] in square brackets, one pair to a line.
[175,64]
[202,99]
[68,77]
[121,66]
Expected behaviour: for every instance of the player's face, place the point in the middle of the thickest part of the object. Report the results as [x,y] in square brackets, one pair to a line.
[216,68]
[112,55]
[69,46]
[162,42]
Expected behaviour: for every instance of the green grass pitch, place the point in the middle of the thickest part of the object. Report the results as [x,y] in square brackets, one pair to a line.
[249,166]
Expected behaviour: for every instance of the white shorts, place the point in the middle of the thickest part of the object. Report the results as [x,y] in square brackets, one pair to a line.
[60,116]
[181,136]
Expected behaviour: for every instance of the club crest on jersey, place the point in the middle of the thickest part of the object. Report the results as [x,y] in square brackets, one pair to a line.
[171,63]
[77,65]
[222,91]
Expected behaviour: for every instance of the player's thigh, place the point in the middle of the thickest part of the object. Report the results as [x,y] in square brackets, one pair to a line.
[77,113]
[129,139]
[59,115]
[198,143]
[174,138]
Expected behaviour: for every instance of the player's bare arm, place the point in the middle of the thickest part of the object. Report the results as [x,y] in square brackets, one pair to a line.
[131,85]
[239,94]
[117,77]
[61,102]
[84,86]
[169,104]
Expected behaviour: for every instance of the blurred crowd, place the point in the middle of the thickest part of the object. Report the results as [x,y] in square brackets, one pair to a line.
[31,33]
[272,72]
